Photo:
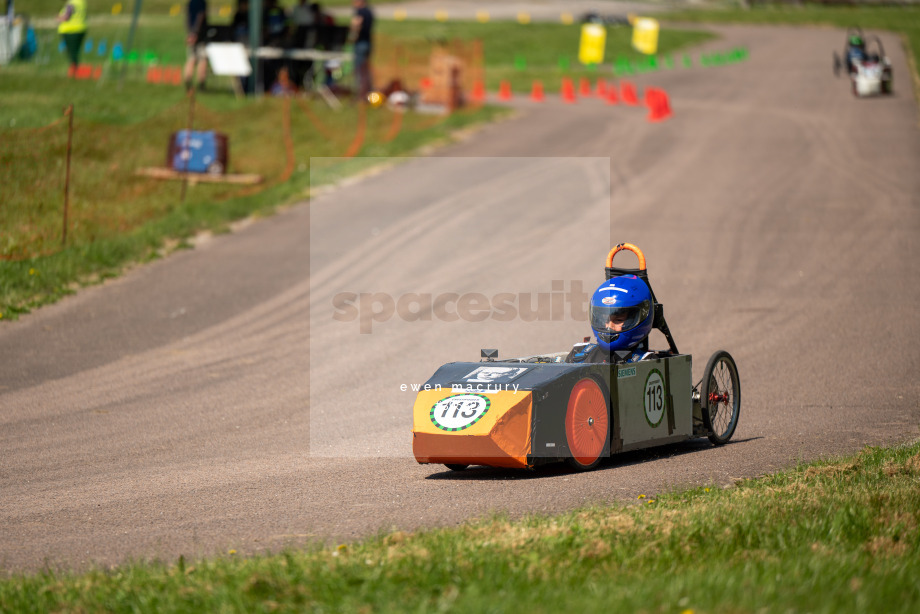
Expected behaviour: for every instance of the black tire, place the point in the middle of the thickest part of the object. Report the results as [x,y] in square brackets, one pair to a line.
[886,83]
[720,397]
[456,466]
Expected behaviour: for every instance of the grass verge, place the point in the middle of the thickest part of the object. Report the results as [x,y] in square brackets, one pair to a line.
[831,536]
[117,218]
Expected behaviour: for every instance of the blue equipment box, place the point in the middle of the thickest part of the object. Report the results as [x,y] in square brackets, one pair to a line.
[198,152]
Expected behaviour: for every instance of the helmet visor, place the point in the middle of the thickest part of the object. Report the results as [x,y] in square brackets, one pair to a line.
[615,319]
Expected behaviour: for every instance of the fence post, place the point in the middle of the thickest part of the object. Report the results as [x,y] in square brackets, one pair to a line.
[187,153]
[68,112]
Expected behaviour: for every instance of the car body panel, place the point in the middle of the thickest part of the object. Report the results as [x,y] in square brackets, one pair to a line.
[512,414]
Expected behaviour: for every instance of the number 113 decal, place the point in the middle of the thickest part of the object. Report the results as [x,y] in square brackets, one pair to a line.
[654,398]
[459,411]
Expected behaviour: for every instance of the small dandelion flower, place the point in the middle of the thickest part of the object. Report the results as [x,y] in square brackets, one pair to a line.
[341,547]
[1,316]
[31,271]
[642,496]
[706,489]
[232,551]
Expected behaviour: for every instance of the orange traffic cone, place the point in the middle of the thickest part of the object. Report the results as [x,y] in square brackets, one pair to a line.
[584,86]
[84,72]
[568,90]
[536,92]
[612,97]
[479,91]
[176,76]
[658,104]
[601,89]
[666,104]
[628,93]
[504,90]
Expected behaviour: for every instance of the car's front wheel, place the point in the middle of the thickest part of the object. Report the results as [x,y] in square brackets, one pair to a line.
[587,425]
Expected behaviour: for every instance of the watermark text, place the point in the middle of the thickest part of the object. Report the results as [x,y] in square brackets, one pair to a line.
[369,308]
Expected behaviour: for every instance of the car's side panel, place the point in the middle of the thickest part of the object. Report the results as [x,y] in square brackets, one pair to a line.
[550,404]
[654,401]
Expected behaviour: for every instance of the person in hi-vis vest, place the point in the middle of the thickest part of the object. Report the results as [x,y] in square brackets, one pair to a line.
[72,28]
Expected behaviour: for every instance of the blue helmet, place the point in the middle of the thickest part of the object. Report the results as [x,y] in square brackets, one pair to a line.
[621,312]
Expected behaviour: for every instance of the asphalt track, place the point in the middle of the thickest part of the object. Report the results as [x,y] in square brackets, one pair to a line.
[210,401]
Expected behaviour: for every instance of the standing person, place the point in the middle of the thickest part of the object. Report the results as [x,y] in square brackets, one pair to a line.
[72,28]
[196,22]
[362,26]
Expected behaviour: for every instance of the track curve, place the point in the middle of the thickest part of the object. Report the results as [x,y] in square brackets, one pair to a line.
[210,401]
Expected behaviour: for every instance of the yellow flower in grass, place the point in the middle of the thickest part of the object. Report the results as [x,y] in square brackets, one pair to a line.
[641,496]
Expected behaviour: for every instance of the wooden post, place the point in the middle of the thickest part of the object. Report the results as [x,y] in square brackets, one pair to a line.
[396,72]
[478,63]
[188,138]
[130,45]
[68,112]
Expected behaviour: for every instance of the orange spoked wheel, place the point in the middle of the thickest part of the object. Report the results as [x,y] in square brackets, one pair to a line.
[587,424]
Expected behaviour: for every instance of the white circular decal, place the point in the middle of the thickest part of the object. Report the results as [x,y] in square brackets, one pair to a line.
[654,398]
[459,411]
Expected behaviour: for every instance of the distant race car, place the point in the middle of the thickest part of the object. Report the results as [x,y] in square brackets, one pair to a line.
[583,405]
[870,73]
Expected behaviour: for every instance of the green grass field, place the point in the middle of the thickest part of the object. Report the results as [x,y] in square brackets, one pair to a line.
[834,536]
[123,123]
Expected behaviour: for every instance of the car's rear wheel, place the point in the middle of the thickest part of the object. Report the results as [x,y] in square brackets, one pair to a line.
[456,466]
[886,83]
[587,424]
[720,397]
